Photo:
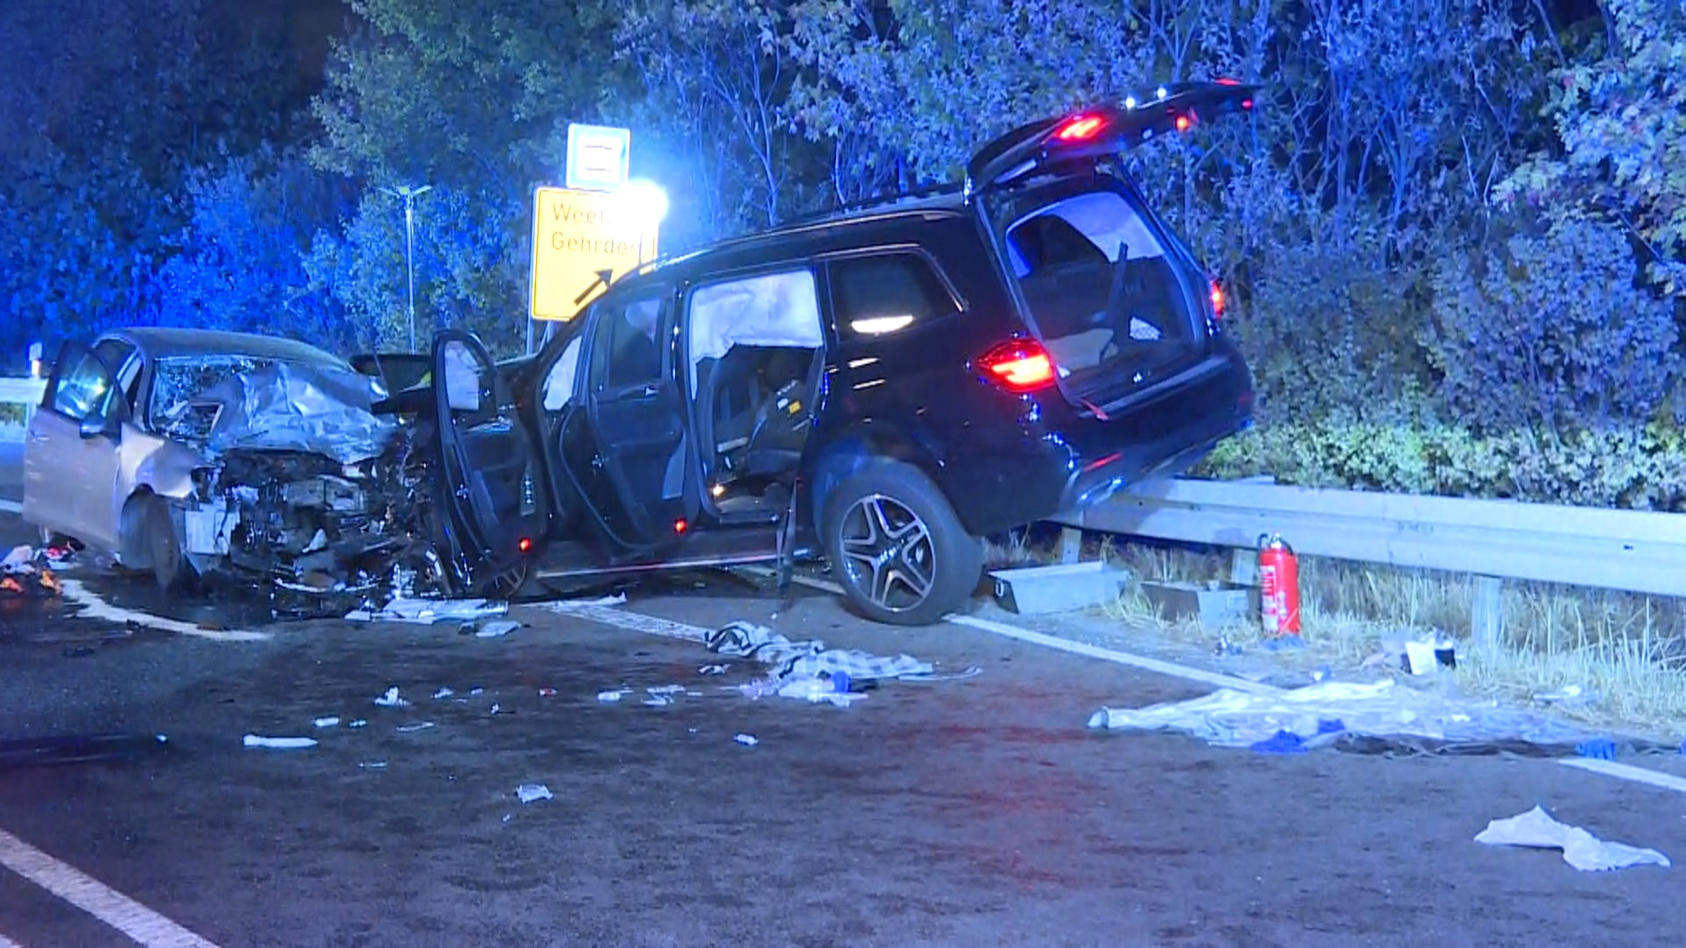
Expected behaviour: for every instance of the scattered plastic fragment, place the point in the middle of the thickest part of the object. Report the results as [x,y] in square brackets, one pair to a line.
[442,694]
[1282,742]
[747,740]
[508,816]
[391,699]
[429,611]
[1322,673]
[1568,696]
[608,696]
[665,689]
[476,691]
[1536,829]
[565,605]
[713,670]
[1598,748]
[279,743]
[970,672]
[496,707]
[420,726]
[326,722]
[492,630]
[360,722]
[547,692]
[658,701]
[528,792]
[816,689]
[373,765]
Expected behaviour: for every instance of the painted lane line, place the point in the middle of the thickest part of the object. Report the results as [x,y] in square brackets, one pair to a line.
[635,621]
[1642,775]
[94,897]
[93,607]
[11,507]
[1119,658]
[1654,778]
[1173,669]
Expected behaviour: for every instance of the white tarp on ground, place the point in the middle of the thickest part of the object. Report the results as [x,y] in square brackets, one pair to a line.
[810,659]
[1381,709]
[1586,852]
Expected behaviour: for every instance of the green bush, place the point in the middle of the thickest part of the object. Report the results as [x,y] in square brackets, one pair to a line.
[1639,468]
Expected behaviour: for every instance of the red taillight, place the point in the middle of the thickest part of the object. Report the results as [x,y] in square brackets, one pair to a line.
[680,526]
[525,544]
[1229,82]
[1246,103]
[1021,365]
[1080,128]
[1182,123]
[1217,299]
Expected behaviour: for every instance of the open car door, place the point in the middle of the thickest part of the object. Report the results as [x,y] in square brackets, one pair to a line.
[488,516]
[1104,130]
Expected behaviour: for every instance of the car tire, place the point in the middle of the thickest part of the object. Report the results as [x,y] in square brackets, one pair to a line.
[170,569]
[898,547]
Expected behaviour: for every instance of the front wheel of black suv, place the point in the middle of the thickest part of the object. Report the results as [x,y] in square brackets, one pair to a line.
[896,543]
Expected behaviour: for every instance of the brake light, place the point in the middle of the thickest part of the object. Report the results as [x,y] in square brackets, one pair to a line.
[1246,103]
[1080,128]
[1217,299]
[1182,123]
[1021,365]
[525,544]
[1229,82]
[680,526]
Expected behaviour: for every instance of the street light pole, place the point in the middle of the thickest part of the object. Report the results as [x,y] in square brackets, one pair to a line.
[409,195]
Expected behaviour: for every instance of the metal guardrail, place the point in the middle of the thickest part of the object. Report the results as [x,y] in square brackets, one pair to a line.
[24,391]
[1626,550]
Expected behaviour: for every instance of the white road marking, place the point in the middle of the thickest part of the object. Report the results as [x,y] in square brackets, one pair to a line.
[93,607]
[1642,775]
[1610,768]
[12,507]
[94,897]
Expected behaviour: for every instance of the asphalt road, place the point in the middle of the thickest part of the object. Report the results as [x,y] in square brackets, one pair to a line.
[972,812]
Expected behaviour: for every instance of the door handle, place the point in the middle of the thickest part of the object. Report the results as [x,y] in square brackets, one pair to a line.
[648,391]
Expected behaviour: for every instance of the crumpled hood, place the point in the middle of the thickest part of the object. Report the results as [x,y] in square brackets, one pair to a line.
[305,408]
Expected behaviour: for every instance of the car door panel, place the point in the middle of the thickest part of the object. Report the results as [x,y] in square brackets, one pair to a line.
[69,474]
[483,457]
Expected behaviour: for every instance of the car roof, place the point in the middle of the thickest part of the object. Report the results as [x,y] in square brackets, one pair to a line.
[164,342]
[947,201]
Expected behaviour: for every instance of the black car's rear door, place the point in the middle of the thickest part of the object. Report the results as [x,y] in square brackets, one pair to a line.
[489,513]
[628,446]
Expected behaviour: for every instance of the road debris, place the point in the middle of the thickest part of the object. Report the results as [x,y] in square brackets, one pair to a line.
[1536,829]
[372,764]
[492,630]
[429,611]
[565,605]
[547,692]
[530,792]
[391,699]
[658,701]
[815,689]
[665,689]
[1384,709]
[360,722]
[326,722]
[747,740]
[279,743]
[713,669]
[419,726]
[496,707]
[1569,696]
[613,695]
[24,574]
[442,694]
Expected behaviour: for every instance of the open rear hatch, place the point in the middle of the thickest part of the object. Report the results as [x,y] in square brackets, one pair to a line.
[1117,301]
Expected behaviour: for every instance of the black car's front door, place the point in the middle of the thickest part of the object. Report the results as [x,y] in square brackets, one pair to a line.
[627,445]
[489,513]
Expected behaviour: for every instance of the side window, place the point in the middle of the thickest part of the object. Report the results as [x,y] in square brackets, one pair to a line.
[82,388]
[628,343]
[470,386]
[886,293]
[769,311]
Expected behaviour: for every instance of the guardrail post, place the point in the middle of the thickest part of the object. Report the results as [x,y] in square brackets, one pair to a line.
[1071,545]
[1486,612]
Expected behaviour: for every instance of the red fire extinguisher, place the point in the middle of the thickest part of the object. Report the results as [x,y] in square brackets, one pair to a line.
[1279,586]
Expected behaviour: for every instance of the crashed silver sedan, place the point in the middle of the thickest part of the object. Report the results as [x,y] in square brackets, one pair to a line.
[189,453]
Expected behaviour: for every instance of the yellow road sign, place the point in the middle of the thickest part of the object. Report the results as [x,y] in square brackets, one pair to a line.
[583,241]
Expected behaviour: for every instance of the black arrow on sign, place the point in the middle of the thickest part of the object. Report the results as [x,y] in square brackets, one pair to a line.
[603,277]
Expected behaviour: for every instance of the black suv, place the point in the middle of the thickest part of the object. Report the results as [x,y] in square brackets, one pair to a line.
[884,386]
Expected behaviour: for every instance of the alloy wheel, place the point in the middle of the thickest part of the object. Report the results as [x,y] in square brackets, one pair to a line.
[888,553]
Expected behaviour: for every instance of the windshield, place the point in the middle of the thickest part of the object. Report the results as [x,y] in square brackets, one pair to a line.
[1101,286]
[177,383]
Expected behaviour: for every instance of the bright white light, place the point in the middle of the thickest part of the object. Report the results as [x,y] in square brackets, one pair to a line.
[879,325]
[1130,102]
[1160,92]
[646,199]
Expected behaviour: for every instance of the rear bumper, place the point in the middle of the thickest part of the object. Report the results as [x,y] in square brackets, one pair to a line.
[1107,476]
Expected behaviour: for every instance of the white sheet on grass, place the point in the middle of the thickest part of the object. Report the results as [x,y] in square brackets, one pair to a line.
[1535,829]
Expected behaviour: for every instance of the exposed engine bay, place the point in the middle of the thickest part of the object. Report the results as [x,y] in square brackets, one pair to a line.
[305,492]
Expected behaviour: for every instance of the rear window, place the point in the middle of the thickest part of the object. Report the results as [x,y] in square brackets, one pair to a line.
[1103,290]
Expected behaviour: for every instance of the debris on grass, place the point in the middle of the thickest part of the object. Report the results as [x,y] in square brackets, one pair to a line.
[747,740]
[391,700]
[1536,829]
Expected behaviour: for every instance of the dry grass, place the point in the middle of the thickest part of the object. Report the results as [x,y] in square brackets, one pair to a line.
[1628,649]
